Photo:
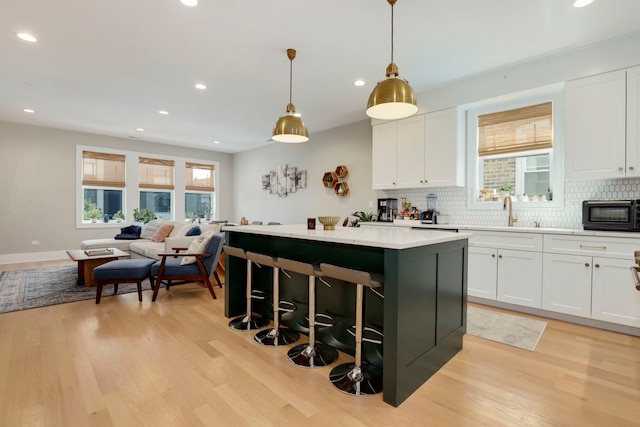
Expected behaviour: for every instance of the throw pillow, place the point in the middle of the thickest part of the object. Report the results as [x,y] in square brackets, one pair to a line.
[184,229]
[149,229]
[163,231]
[194,231]
[198,246]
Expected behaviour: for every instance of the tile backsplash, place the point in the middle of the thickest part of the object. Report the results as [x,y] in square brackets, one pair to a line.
[453,201]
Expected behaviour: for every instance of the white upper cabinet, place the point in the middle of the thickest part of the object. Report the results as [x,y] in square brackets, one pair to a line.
[601,129]
[419,151]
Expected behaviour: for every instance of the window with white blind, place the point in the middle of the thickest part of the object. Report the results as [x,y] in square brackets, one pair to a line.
[513,148]
[103,185]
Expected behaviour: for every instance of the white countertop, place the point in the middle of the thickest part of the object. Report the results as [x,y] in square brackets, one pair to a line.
[403,223]
[379,237]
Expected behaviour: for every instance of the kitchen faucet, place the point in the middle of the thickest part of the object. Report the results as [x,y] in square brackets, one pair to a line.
[508,201]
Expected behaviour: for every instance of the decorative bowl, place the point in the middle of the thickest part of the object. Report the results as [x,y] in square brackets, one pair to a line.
[329,222]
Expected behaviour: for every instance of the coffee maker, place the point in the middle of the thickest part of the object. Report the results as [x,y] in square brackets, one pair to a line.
[387,209]
[430,215]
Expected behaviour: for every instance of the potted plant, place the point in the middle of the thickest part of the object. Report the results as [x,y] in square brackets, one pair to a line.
[363,217]
[94,214]
[119,216]
[143,215]
[505,189]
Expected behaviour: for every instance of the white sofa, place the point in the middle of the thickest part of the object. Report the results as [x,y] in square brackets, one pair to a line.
[146,248]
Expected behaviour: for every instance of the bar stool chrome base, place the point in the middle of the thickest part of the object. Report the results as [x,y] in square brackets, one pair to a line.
[359,381]
[311,356]
[248,323]
[277,336]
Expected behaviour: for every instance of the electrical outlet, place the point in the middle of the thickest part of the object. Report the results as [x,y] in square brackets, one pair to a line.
[35,242]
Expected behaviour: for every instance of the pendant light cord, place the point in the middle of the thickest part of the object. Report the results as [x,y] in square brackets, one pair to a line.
[290,79]
[392,33]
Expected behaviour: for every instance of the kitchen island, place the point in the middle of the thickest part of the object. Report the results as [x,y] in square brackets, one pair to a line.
[420,312]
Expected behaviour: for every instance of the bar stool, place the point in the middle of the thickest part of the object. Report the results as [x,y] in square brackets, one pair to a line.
[356,378]
[312,354]
[249,321]
[276,335]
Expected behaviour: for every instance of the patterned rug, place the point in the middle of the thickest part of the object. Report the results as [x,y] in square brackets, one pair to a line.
[516,331]
[24,289]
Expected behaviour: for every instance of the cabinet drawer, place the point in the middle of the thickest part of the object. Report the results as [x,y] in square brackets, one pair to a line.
[507,240]
[610,247]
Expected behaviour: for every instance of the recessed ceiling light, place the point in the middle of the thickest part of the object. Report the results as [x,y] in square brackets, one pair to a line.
[216,142]
[189,2]
[27,37]
[581,3]
[140,129]
[200,86]
[359,83]
[164,113]
[29,110]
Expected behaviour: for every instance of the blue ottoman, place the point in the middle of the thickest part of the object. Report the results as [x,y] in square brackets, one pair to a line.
[122,271]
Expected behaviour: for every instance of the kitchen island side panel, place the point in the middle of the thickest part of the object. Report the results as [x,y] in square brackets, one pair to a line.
[424,314]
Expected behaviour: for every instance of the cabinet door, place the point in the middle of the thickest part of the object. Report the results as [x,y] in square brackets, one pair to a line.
[482,272]
[595,126]
[566,284]
[615,298]
[520,277]
[384,156]
[410,160]
[444,161]
[633,122]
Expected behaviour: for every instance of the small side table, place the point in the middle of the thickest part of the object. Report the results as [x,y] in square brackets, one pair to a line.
[87,263]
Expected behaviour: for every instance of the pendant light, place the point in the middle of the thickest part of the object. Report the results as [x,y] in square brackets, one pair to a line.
[392,98]
[290,127]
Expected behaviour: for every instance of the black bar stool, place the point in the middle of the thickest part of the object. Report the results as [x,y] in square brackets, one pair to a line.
[276,335]
[356,378]
[249,321]
[312,354]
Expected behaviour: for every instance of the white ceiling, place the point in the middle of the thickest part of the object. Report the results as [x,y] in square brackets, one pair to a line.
[108,67]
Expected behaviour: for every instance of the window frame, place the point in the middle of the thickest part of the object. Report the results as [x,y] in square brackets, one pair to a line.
[552,93]
[131,193]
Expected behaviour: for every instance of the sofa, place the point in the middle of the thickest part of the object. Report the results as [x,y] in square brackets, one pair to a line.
[152,241]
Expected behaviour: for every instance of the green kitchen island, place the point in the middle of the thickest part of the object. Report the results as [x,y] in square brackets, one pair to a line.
[419,316]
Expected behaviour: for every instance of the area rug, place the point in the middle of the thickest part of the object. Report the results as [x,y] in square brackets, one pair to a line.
[24,289]
[505,328]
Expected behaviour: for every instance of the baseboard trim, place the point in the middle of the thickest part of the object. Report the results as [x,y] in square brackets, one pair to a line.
[32,257]
[624,329]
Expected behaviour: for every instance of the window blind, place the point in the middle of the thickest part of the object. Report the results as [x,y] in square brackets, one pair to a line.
[156,173]
[199,177]
[103,169]
[514,131]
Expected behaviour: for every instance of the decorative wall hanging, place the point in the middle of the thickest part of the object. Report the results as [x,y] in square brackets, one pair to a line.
[332,179]
[284,180]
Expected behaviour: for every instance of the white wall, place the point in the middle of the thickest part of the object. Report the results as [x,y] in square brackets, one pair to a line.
[38,188]
[348,145]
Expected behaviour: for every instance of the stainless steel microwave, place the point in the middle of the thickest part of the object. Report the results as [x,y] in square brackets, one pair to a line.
[611,215]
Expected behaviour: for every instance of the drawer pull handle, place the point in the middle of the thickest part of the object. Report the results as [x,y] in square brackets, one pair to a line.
[592,247]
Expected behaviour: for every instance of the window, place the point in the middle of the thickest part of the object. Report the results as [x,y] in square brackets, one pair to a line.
[156,183]
[199,186]
[513,146]
[103,183]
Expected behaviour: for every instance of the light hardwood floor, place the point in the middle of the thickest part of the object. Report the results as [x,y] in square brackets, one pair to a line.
[176,363]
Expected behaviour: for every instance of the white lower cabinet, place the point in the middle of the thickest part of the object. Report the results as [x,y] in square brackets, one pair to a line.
[566,284]
[614,296]
[506,275]
[482,272]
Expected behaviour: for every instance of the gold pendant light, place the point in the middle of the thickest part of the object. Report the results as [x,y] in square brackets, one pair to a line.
[290,127]
[392,98]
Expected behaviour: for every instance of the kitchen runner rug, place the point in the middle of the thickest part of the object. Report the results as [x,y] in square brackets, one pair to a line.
[24,289]
[504,328]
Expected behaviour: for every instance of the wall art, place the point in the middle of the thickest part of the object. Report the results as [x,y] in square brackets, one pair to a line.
[284,180]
